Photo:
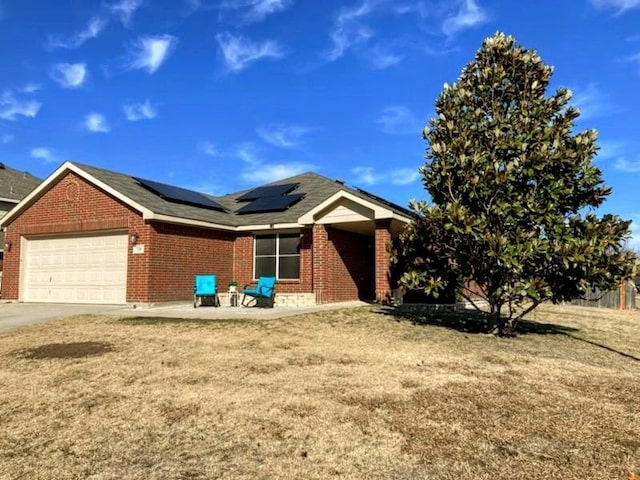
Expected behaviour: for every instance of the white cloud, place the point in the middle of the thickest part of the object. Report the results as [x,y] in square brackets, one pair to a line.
[381,58]
[619,5]
[256,170]
[125,9]
[624,157]
[352,31]
[7,138]
[405,176]
[272,172]
[247,152]
[468,15]
[208,148]
[256,10]
[97,123]
[238,53]
[591,102]
[630,166]
[365,175]
[348,30]
[283,136]
[11,107]
[398,176]
[69,75]
[263,8]
[45,154]
[95,26]
[139,111]
[149,53]
[399,120]
[610,149]
[30,88]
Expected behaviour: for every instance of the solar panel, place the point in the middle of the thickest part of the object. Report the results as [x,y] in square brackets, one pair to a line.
[268,191]
[179,195]
[270,204]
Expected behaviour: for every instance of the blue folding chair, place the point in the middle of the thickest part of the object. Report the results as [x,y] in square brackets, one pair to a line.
[263,293]
[204,286]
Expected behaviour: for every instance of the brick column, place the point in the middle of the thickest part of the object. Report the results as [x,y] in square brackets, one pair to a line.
[383,266]
[320,263]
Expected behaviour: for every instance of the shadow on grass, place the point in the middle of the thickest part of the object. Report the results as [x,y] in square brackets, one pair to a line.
[474,322]
[470,321]
[607,348]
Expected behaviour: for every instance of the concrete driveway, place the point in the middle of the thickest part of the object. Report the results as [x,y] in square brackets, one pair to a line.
[13,315]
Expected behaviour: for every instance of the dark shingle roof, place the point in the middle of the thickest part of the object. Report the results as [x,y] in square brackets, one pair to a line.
[316,189]
[14,184]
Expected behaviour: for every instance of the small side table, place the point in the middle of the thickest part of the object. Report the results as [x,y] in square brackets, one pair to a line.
[234,298]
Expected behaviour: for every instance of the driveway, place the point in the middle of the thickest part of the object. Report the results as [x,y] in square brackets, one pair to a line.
[13,315]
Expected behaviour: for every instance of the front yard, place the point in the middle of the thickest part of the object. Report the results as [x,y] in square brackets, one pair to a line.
[358,393]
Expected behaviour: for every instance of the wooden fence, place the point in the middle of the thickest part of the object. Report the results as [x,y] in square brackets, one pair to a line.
[624,298]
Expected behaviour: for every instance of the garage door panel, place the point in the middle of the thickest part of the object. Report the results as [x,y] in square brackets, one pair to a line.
[86,269]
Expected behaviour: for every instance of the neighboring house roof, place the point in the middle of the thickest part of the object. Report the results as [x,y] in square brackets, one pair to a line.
[317,191]
[15,185]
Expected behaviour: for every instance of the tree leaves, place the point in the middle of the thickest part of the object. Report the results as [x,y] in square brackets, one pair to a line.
[513,190]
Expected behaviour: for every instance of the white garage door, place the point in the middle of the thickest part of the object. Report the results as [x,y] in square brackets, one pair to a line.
[87,269]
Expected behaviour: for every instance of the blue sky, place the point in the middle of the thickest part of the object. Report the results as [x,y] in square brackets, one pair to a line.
[222,95]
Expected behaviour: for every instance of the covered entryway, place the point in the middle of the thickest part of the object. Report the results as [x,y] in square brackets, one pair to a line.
[75,269]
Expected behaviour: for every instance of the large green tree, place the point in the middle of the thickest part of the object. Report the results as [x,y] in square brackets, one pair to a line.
[513,192]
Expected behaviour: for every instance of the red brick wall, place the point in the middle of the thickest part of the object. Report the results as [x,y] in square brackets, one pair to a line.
[73,206]
[383,265]
[335,264]
[177,253]
[320,263]
[343,265]
[243,259]
[164,272]
[351,269]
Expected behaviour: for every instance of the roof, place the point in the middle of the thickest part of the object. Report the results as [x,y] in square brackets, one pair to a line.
[316,189]
[15,185]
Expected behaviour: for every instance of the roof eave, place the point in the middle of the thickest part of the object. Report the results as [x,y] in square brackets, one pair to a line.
[380,212]
[156,217]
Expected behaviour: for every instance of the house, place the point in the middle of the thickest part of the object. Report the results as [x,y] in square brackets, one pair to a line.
[89,235]
[14,186]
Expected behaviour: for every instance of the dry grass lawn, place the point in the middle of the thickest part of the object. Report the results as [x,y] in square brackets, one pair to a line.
[358,393]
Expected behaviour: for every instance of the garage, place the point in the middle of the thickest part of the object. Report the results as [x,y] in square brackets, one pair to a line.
[75,269]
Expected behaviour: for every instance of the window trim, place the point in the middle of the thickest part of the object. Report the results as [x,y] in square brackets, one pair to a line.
[277,255]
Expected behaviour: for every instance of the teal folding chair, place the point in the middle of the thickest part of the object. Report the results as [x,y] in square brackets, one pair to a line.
[263,293]
[205,286]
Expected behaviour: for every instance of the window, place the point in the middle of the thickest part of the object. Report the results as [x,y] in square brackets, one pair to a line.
[277,256]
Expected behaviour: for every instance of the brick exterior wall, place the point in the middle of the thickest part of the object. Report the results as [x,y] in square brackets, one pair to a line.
[335,265]
[243,259]
[321,263]
[73,206]
[343,265]
[164,272]
[177,253]
[351,268]
[383,265]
